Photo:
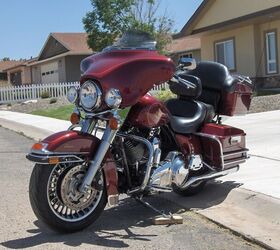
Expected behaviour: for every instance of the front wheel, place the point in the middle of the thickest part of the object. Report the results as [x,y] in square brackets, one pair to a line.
[55,199]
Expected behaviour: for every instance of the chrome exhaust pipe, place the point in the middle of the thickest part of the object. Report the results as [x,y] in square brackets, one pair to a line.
[209,176]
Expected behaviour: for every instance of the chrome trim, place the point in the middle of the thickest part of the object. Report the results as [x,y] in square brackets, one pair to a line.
[117,98]
[235,162]
[218,141]
[98,93]
[208,166]
[88,125]
[226,162]
[113,200]
[236,153]
[209,176]
[44,159]
[73,126]
[46,152]
[95,163]
[149,164]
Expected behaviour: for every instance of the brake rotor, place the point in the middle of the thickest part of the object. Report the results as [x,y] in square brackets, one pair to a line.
[70,194]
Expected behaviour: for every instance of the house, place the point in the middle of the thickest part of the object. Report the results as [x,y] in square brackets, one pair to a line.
[3,74]
[19,73]
[184,47]
[58,61]
[242,34]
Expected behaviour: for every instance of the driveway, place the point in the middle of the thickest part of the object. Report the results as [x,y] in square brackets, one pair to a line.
[125,226]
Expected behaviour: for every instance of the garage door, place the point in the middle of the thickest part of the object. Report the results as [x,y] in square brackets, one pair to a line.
[49,73]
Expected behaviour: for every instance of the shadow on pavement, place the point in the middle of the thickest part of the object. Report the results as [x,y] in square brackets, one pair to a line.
[214,193]
[116,225]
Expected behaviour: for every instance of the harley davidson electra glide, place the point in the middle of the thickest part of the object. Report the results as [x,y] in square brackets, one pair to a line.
[158,147]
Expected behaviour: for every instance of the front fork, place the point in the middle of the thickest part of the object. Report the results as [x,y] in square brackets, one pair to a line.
[106,140]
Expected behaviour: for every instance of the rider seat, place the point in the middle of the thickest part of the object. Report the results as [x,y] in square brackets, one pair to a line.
[189,115]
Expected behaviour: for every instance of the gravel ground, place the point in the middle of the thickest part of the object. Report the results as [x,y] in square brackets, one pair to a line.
[259,104]
[40,104]
[265,103]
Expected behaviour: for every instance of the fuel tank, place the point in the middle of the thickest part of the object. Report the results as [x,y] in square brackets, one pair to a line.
[149,112]
[133,72]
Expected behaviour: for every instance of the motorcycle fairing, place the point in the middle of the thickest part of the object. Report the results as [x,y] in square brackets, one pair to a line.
[132,72]
[75,146]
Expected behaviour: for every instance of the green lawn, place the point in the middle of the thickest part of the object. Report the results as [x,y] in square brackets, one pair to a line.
[62,112]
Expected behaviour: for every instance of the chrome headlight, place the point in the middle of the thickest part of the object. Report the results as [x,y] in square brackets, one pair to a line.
[90,96]
[113,98]
[72,95]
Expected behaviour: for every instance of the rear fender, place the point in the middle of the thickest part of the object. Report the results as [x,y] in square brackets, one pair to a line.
[74,146]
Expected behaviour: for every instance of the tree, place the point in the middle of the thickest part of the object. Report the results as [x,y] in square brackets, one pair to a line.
[110,18]
[5,59]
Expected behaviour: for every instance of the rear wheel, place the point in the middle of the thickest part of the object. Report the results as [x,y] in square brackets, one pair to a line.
[56,200]
[191,190]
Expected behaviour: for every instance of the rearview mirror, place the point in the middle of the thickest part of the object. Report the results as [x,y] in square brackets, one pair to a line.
[187,63]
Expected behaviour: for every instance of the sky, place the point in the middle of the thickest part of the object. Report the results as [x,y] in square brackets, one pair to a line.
[26,24]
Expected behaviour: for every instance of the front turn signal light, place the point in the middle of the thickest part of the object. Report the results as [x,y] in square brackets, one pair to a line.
[75,118]
[38,146]
[113,123]
[53,160]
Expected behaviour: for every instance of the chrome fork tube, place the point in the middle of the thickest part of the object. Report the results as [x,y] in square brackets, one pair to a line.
[95,164]
[88,125]
[106,140]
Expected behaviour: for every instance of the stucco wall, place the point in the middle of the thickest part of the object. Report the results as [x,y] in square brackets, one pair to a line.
[263,28]
[72,64]
[224,10]
[244,48]
[36,70]
[195,53]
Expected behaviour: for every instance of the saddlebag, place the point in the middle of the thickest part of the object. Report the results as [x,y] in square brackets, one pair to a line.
[223,146]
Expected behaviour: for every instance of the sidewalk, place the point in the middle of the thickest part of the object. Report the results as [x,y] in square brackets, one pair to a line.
[247,202]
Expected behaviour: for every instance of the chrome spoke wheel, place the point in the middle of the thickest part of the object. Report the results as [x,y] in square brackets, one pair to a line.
[64,198]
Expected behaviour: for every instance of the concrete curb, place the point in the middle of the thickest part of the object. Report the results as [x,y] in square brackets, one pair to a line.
[252,215]
[30,131]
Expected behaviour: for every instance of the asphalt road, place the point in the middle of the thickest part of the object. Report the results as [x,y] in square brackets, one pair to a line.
[126,226]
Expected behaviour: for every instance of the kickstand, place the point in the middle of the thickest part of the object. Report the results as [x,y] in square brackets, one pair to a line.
[164,219]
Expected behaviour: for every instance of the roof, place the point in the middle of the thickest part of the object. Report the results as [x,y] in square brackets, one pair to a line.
[248,17]
[183,45]
[191,22]
[8,64]
[73,41]
[76,43]
[20,63]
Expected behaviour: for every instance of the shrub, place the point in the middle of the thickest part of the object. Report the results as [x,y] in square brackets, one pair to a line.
[9,104]
[53,100]
[45,95]
[165,95]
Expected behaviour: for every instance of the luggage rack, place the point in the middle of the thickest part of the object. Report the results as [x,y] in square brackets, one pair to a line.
[227,163]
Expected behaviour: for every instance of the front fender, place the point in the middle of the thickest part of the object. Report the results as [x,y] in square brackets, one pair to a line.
[74,146]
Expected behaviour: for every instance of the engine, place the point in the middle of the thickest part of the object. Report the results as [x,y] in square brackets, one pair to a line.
[171,171]
[132,158]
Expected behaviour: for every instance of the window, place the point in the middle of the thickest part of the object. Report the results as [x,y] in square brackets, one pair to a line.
[224,53]
[189,55]
[271,52]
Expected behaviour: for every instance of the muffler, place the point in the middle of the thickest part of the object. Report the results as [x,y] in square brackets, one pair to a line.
[212,175]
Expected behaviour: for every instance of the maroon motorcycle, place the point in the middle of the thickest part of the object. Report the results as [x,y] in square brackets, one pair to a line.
[154,147]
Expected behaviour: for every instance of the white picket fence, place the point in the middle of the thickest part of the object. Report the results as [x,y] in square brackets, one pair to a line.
[35,91]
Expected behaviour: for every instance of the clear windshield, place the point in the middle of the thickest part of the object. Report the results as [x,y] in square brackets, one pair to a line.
[134,40]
